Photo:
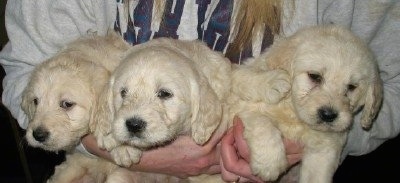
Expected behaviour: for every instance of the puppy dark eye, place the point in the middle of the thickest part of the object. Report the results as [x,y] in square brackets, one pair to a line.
[35,101]
[164,94]
[316,78]
[123,92]
[65,104]
[351,87]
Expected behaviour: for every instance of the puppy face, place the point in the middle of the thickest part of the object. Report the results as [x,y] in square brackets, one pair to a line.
[333,75]
[58,101]
[157,94]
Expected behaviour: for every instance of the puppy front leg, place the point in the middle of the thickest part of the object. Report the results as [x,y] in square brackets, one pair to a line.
[267,151]
[74,167]
[122,175]
[259,85]
[125,155]
[102,130]
[319,166]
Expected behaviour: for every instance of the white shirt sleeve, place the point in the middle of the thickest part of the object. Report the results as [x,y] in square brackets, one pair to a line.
[36,30]
[378,24]
[81,148]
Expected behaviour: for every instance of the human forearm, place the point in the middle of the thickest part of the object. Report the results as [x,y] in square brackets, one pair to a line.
[181,158]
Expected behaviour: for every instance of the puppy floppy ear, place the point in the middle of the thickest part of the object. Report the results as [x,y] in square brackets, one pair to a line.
[27,103]
[373,101]
[206,111]
[102,113]
[98,87]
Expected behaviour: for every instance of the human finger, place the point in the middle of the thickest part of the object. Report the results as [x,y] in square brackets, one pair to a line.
[233,165]
[293,147]
[231,177]
[294,151]
[240,142]
[293,158]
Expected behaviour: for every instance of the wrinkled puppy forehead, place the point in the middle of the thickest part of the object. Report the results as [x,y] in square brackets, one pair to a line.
[59,79]
[154,63]
[332,48]
[53,89]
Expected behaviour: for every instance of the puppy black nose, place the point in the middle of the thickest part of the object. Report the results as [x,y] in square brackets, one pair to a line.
[135,125]
[327,114]
[40,134]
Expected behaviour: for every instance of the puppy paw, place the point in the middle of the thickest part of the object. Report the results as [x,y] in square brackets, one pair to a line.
[125,155]
[101,128]
[107,142]
[277,85]
[269,170]
[269,161]
[267,151]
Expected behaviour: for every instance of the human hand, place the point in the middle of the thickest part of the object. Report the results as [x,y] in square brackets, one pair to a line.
[182,158]
[235,155]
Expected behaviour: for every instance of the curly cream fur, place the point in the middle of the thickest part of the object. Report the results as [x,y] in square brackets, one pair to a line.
[60,97]
[197,79]
[76,75]
[348,80]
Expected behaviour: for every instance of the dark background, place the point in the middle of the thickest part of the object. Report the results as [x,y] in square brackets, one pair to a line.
[22,163]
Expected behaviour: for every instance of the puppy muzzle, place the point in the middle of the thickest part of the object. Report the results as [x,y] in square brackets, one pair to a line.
[327,114]
[40,134]
[135,125]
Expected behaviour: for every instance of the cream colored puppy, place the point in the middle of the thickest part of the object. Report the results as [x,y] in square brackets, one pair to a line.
[62,90]
[61,94]
[162,89]
[333,75]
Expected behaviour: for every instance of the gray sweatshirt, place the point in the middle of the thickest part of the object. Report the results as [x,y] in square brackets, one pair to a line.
[38,29]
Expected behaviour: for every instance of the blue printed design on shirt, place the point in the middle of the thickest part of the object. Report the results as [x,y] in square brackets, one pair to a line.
[218,28]
[201,13]
[130,34]
[143,15]
[171,19]
[139,30]
[216,35]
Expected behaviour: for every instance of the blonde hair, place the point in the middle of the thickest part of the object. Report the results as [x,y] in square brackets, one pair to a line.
[253,16]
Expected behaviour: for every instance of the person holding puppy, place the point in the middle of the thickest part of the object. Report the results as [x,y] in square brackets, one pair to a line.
[238,28]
